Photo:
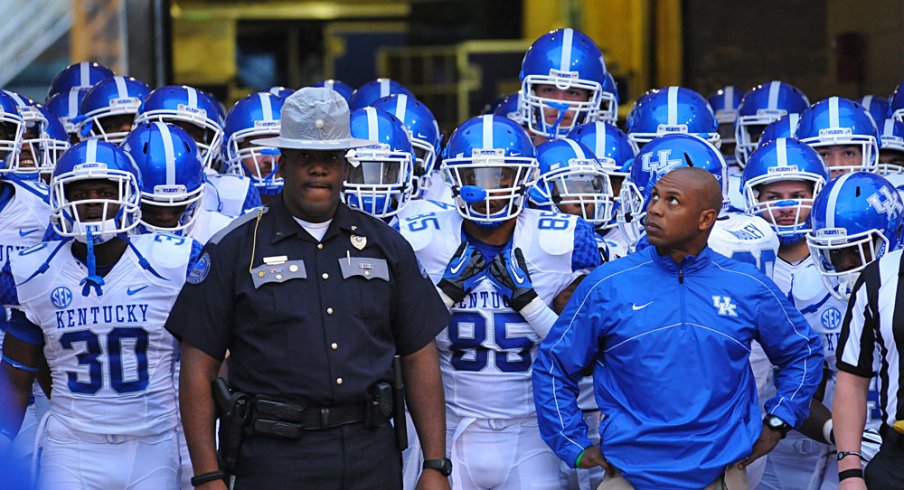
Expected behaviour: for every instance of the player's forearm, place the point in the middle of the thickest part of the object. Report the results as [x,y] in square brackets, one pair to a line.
[426,401]
[819,415]
[197,407]
[849,408]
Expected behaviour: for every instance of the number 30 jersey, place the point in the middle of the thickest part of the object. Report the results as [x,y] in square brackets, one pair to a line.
[487,351]
[110,358]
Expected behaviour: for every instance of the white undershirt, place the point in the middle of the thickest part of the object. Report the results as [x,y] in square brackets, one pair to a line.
[317,230]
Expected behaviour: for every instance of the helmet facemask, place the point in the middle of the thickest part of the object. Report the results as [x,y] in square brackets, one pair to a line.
[380,180]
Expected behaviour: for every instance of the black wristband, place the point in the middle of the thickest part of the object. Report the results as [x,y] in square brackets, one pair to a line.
[852,473]
[207,477]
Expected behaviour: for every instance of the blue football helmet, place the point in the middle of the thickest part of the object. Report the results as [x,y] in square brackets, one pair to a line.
[172,176]
[423,131]
[344,89]
[725,103]
[566,60]
[609,103]
[672,110]
[876,106]
[373,90]
[43,143]
[570,176]
[896,103]
[65,106]
[781,160]
[783,127]
[78,75]
[759,107]
[255,116]
[95,160]
[380,177]
[12,130]
[108,110]
[510,107]
[279,91]
[655,159]
[609,145]
[490,163]
[839,121]
[891,140]
[857,219]
[192,110]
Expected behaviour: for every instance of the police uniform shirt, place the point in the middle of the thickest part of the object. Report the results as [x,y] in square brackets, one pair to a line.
[305,320]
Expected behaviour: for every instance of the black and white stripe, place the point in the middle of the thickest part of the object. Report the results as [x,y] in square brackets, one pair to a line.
[874,323]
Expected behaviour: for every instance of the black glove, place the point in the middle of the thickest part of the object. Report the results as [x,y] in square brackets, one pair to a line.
[464,271]
[509,272]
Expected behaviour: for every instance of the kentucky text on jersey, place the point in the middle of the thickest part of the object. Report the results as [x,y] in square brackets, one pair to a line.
[749,232]
[101,315]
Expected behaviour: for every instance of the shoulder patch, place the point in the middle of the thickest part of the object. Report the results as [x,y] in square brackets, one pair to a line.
[199,271]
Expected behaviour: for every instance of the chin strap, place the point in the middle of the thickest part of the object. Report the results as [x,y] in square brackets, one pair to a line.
[93,280]
[143,262]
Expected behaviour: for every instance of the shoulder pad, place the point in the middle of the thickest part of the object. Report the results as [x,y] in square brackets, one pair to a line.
[554,231]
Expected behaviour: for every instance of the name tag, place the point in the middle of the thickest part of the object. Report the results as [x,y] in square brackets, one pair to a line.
[366,267]
[286,271]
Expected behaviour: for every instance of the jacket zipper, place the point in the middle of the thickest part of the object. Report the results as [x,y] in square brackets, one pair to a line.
[681,295]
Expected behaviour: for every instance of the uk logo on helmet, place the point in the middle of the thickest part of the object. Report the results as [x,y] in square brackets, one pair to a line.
[662,161]
[884,202]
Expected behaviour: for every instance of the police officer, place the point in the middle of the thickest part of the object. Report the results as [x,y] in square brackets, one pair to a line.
[312,300]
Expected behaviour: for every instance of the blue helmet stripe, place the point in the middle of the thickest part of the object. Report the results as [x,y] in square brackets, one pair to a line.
[833,199]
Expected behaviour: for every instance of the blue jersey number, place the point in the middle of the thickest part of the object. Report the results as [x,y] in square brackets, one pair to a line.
[422,222]
[468,333]
[550,220]
[765,263]
[116,340]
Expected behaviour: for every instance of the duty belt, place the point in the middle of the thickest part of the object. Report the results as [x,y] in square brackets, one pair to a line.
[891,436]
[288,419]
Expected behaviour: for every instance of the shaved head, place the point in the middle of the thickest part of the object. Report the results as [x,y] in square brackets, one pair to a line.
[683,208]
[698,183]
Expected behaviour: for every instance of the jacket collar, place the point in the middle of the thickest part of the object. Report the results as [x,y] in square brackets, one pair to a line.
[691,263]
[284,224]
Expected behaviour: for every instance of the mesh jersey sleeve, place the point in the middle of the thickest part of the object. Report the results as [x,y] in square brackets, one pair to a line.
[8,296]
[21,328]
[586,254]
[252,199]
[196,248]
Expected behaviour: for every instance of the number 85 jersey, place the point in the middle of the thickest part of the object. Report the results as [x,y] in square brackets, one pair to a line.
[110,357]
[487,351]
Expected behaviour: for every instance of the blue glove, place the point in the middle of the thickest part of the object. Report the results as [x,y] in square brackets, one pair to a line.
[466,268]
[508,271]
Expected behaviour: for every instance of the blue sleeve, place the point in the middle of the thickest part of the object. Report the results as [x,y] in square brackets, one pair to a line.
[794,348]
[252,198]
[21,328]
[586,253]
[569,349]
[8,296]
[196,248]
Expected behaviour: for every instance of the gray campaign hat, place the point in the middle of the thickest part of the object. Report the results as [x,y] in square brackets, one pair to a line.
[314,118]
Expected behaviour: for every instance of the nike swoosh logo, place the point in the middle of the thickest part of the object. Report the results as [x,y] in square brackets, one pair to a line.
[457,267]
[635,307]
[131,291]
[26,232]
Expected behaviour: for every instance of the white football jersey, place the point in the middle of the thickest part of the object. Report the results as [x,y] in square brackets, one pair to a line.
[24,218]
[208,223]
[783,273]
[825,314]
[229,194]
[110,358]
[745,238]
[487,351]
[896,179]
[616,243]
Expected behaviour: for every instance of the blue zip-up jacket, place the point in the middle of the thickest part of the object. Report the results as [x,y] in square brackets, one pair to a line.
[668,346]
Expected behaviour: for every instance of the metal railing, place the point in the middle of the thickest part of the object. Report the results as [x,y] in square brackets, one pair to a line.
[35,26]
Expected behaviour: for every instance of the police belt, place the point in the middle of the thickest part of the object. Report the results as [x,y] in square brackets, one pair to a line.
[890,436]
[277,417]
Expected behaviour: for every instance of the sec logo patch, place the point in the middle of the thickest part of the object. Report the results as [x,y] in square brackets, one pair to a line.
[61,297]
[831,319]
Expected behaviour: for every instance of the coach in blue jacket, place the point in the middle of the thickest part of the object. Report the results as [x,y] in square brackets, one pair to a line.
[666,332]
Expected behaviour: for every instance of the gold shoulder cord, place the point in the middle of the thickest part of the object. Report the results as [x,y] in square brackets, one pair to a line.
[257,222]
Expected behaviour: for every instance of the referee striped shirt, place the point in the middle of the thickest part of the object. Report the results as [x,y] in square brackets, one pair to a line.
[874,324]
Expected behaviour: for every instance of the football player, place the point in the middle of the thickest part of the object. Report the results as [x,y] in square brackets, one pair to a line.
[108,109]
[562,76]
[843,133]
[255,116]
[759,107]
[503,270]
[93,305]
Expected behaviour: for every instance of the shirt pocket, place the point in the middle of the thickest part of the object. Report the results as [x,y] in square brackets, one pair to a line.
[369,284]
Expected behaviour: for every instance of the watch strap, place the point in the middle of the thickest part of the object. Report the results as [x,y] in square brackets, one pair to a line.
[844,454]
[444,465]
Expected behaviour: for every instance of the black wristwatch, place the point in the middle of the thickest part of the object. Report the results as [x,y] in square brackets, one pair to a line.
[444,465]
[777,424]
